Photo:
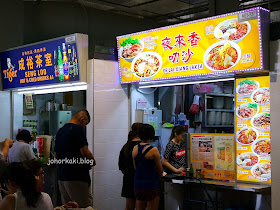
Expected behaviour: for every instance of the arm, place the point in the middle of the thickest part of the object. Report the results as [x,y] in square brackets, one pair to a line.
[169,166]
[134,153]
[157,161]
[121,161]
[87,153]
[8,203]
[5,149]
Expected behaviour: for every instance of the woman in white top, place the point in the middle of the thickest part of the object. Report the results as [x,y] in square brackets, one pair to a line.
[21,150]
[22,185]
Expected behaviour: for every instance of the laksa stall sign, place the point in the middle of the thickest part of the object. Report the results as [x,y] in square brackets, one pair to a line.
[45,63]
[222,44]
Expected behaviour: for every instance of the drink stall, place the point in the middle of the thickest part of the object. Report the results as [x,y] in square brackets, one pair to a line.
[47,83]
[223,60]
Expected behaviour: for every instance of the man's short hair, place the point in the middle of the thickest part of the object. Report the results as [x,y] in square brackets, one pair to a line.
[80,114]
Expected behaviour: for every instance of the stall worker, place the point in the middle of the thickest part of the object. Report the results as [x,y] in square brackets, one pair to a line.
[174,160]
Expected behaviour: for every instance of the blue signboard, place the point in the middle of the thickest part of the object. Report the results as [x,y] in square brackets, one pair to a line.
[45,63]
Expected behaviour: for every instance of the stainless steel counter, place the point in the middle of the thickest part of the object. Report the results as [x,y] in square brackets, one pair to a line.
[224,194]
[257,188]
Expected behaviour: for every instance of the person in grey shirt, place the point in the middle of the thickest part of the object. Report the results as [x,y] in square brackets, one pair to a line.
[21,150]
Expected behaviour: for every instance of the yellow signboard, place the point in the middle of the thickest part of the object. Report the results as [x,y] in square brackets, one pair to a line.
[217,45]
[253,161]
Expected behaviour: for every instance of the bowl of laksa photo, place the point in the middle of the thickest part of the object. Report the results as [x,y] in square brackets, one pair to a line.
[222,56]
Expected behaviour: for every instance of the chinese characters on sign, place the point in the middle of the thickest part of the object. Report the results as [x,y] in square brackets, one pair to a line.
[40,64]
[186,55]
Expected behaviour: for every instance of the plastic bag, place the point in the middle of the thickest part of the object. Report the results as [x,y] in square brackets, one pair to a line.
[195,105]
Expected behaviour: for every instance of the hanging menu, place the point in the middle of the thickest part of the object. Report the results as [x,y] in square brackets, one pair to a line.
[253,129]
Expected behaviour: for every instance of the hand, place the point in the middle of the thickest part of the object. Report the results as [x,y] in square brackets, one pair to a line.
[71,204]
[180,170]
[9,142]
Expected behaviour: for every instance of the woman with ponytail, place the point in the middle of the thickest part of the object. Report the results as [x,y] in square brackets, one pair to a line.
[23,189]
[127,168]
[174,160]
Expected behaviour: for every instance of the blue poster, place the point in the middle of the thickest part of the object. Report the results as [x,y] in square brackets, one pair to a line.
[46,63]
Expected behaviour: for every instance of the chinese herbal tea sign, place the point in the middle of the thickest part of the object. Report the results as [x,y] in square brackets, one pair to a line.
[253,129]
[45,63]
[222,44]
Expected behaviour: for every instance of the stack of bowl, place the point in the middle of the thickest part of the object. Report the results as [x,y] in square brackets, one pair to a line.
[211,118]
[224,118]
[228,103]
[218,117]
[218,102]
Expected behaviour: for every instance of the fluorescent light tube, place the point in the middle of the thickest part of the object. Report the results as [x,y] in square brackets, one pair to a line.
[54,90]
[184,83]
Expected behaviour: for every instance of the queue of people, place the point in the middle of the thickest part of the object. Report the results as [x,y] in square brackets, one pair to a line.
[139,162]
[22,174]
[147,168]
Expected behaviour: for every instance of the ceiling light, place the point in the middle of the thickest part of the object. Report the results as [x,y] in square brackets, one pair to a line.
[184,83]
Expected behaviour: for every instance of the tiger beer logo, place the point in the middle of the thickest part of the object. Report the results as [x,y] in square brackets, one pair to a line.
[180,153]
[10,74]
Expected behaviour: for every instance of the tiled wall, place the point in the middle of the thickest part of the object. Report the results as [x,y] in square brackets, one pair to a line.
[5,115]
[110,110]
[275,116]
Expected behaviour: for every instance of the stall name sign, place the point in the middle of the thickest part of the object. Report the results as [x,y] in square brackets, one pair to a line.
[44,63]
[253,134]
[218,45]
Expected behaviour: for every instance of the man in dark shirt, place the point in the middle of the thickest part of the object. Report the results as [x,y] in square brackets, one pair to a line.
[74,160]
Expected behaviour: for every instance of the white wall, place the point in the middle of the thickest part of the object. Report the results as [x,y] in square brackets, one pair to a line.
[107,102]
[275,116]
[146,94]
[5,115]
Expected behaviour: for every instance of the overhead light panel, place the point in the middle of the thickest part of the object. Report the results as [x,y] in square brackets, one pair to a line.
[53,88]
[184,83]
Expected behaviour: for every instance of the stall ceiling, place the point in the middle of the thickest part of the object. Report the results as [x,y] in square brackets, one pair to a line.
[166,12]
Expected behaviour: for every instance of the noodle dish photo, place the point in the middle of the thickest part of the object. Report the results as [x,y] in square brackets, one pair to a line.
[222,56]
[146,65]
[232,30]
[130,48]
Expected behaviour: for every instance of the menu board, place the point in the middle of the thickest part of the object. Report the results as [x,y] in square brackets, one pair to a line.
[253,129]
[213,154]
[218,45]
